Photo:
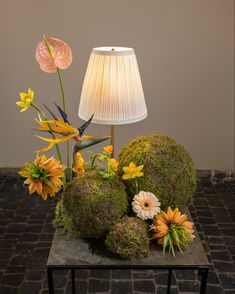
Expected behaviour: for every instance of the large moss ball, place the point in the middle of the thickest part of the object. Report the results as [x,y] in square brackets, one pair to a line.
[169,171]
[90,205]
[129,238]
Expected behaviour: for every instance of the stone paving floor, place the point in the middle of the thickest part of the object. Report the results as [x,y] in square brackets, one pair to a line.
[26,234]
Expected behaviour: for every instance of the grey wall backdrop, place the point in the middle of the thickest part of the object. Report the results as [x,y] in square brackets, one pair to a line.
[185,51]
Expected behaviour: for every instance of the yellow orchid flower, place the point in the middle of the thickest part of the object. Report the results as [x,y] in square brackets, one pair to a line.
[78,166]
[132,171]
[78,169]
[26,100]
[108,149]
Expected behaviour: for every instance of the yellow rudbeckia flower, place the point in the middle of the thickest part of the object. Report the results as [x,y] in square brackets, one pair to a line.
[26,100]
[132,171]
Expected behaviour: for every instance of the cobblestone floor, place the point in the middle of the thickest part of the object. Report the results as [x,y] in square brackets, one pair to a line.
[26,234]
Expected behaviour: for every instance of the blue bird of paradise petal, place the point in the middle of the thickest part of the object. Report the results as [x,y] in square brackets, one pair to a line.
[51,113]
[85,125]
[62,113]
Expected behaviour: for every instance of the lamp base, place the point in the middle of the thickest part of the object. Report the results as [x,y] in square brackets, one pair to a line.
[112,138]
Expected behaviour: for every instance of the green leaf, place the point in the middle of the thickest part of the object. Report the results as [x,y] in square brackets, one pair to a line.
[165,241]
[106,175]
[84,143]
[171,249]
[48,183]
[177,239]
[175,236]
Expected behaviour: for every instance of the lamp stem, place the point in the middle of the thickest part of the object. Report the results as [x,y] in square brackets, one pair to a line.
[112,138]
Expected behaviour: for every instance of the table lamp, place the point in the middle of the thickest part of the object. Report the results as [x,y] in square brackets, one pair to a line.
[112,88]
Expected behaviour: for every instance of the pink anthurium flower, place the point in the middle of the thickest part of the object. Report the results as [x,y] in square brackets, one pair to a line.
[52,53]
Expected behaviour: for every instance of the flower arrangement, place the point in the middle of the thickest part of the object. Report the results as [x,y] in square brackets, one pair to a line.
[47,176]
[126,202]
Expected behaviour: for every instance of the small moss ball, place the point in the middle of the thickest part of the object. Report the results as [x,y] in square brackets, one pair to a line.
[129,239]
[90,205]
[169,171]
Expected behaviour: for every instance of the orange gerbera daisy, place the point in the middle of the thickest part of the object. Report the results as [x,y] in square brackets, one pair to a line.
[43,176]
[172,229]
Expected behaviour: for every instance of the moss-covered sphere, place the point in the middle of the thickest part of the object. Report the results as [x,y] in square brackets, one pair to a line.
[129,239]
[169,171]
[90,205]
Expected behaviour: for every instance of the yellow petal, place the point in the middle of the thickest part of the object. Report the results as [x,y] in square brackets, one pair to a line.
[132,165]
[88,137]
[31,93]
[23,109]
[126,169]
[20,103]
[126,177]
[56,140]
[139,168]
[170,213]
[22,95]
[139,174]
[48,147]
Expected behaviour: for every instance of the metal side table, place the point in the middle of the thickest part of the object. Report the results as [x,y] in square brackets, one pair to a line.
[68,253]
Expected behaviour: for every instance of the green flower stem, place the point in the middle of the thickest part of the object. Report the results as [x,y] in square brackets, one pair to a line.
[136,186]
[64,109]
[62,88]
[93,160]
[52,134]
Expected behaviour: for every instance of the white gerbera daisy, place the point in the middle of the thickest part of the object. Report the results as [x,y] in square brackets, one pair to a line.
[146,205]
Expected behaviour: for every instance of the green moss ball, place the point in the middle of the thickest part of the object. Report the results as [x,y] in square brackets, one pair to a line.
[169,171]
[129,239]
[90,205]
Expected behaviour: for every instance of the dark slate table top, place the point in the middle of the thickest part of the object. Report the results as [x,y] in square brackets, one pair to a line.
[69,251]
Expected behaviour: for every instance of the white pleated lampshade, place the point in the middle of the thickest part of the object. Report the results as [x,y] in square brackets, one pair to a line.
[112,88]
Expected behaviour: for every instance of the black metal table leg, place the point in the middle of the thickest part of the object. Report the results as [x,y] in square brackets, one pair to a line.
[169,281]
[73,280]
[204,273]
[50,280]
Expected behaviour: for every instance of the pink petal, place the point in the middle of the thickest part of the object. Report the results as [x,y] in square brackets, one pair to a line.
[62,55]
